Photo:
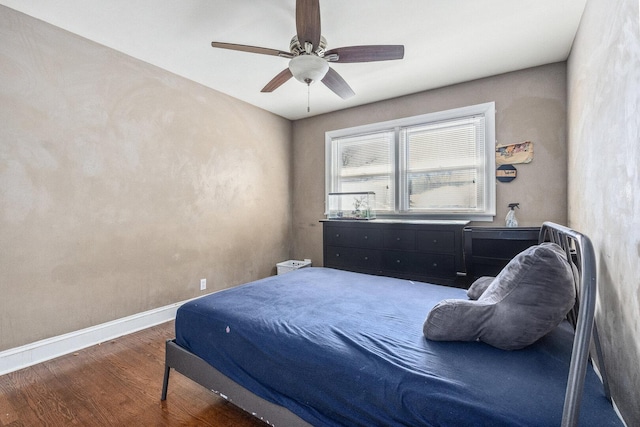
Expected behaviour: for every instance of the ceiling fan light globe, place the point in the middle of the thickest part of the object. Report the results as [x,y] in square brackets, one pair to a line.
[308,68]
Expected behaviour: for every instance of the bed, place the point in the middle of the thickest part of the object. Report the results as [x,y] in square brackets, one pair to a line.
[326,347]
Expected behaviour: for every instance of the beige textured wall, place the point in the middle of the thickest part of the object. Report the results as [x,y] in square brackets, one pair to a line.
[604,179]
[122,185]
[530,105]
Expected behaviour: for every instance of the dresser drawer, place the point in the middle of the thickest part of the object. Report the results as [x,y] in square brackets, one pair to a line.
[398,261]
[365,238]
[368,259]
[435,264]
[336,236]
[353,237]
[399,239]
[436,241]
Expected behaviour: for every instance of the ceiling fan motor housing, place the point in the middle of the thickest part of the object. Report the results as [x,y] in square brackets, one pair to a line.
[298,49]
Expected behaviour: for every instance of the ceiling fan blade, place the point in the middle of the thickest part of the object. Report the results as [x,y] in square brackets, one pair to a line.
[336,83]
[252,49]
[278,81]
[308,22]
[365,53]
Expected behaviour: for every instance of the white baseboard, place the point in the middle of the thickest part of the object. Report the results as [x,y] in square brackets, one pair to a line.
[50,348]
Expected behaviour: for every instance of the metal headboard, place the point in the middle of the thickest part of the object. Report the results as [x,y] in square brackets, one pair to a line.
[581,256]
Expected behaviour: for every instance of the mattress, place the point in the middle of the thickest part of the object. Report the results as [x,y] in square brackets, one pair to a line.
[340,348]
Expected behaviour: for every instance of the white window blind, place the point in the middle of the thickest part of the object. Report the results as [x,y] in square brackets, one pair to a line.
[443,164]
[366,163]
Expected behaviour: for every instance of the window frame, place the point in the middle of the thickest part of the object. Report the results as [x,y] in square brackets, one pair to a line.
[485,109]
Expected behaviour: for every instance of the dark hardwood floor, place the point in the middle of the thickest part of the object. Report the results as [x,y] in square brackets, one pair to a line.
[116,383]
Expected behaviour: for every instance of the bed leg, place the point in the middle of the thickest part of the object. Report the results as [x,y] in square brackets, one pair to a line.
[165,382]
[167,370]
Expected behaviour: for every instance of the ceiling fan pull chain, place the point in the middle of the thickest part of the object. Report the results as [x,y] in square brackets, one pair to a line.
[308,97]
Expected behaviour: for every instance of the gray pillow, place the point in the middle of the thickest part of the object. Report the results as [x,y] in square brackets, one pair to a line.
[478,287]
[527,300]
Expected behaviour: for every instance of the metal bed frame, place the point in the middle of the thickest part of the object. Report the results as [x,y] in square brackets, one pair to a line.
[581,255]
[579,252]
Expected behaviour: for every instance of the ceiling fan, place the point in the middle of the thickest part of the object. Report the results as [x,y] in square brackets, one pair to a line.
[309,59]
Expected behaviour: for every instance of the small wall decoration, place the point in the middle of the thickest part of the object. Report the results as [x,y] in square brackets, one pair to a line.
[506,173]
[510,154]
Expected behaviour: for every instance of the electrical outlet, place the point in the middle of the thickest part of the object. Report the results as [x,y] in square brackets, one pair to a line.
[203,284]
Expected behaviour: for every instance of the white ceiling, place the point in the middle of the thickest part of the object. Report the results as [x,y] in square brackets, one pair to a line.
[446,41]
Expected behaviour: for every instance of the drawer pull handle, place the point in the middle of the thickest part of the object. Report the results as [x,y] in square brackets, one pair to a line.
[337,255]
[398,239]
[338,235]
[366,258]
[435,240]
[366,237]
[435,264]
[398,261]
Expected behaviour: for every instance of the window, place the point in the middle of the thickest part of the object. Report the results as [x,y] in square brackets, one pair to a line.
[434,166]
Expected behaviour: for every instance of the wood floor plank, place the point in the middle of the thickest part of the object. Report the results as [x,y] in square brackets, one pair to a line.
[11,403]
[45,406]
[73,374]
[116,383]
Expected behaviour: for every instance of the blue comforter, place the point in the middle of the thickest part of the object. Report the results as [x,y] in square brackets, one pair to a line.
[341,348]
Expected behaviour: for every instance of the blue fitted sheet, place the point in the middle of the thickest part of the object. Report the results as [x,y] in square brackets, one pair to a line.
[342,348]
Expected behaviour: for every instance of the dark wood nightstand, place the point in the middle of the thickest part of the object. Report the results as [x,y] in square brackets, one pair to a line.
[488,249]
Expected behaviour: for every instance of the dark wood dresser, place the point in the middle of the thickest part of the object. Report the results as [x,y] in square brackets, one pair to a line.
[426,251]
